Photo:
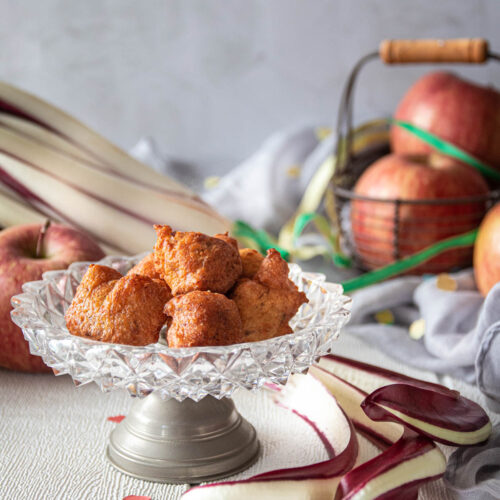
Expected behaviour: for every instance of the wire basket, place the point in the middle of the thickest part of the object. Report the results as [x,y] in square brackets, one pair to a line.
[375,232]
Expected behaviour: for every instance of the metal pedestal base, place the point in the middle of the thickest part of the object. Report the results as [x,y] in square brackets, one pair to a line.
[188,442]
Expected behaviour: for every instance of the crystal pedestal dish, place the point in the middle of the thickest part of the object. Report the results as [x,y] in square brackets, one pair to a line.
[183,426]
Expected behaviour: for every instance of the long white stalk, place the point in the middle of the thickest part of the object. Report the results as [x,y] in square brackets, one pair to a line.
[45,137]
[51,140]
[17,101]
[140,202]
[12,212]
[106,223]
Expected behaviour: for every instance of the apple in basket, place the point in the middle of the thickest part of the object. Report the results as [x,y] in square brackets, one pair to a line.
[431,180]
[460,112]
[487,251]
[26,252]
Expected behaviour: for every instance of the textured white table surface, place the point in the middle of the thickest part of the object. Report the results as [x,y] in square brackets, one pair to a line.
[53,436]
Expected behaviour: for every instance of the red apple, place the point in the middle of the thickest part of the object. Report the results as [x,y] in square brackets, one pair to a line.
[19,263]
[456,110]
[425,178]
[487,251]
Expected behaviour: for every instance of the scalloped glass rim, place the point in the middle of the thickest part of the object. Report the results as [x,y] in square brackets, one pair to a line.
[183,372]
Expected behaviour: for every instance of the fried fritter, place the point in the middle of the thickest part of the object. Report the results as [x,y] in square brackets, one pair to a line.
[225,237]
[112,308]
[146,267]
[251,261]
[194,261]
[273,272]
[202,319]
[96,283]
[267,302]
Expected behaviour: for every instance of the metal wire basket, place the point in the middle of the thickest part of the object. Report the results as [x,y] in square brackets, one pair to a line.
[399,228]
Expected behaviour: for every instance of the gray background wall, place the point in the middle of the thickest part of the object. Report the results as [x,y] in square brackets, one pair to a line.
[211,79]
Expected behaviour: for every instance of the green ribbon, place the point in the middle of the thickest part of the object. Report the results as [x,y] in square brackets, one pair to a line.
[410,262]
[448,149]
[315,192]
[260,237]
[324,227]
[263,240]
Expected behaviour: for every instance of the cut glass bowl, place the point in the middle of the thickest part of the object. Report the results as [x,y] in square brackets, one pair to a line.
[187,429]
[177,373]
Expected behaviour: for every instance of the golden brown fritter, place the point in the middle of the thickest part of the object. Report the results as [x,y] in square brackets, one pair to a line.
[202,319]
[194,261]
[225,237]
[251,261]
[96,283]
[133,312]
[122,310]
[146,267]
[269,301]
[273,272]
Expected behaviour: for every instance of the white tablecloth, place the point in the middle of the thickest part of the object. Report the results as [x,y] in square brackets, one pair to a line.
[53,436]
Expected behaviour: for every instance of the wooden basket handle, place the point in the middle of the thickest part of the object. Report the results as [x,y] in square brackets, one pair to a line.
[459,50]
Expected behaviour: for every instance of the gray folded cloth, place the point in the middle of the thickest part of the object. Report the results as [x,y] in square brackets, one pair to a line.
[474,473]
[263,190]
[460,327]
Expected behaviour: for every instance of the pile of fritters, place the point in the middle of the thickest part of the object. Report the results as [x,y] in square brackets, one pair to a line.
[206,291]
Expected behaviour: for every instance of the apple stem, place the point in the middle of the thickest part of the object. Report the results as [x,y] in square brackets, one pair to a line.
[41,236]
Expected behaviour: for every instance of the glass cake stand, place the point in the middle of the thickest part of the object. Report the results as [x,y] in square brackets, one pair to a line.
[183,426]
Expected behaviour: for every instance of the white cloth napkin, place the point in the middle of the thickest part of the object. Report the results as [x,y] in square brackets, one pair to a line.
[474,473]
[263,190]
[461,328]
